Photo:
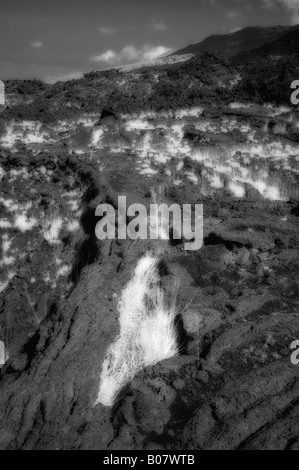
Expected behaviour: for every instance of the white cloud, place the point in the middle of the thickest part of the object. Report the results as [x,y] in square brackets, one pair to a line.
[106,30]
[159,26]
[130,54]
[233,14]
[235,30]
[291,6]
[108,56]
[37,44]
[155,52]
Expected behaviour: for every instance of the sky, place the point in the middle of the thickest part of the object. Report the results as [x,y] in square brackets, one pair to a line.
[59,39]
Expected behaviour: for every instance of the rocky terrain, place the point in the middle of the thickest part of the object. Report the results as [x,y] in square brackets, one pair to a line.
[216,129]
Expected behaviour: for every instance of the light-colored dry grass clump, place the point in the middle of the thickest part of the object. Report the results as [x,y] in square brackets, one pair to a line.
[147,332]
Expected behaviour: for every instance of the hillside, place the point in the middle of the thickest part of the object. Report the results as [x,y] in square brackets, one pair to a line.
[229,45]
[193,344]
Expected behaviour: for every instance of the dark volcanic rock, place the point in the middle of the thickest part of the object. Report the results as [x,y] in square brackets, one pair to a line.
[106,112]
[232,384]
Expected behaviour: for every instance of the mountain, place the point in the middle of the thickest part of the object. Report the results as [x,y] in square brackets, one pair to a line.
[252,65]
[229,45]
[285,45]
[225,46]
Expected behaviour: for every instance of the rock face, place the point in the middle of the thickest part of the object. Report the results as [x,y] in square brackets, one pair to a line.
[232,385]
[108,113]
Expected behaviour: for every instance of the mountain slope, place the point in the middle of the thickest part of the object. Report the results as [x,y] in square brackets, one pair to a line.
[286,45]
[245,40]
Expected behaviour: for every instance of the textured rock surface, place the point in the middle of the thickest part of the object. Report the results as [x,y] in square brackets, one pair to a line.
[232,386]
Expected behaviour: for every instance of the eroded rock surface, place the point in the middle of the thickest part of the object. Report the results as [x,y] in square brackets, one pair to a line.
[232,385]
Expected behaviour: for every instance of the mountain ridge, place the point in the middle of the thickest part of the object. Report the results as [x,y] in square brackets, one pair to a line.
[246,39]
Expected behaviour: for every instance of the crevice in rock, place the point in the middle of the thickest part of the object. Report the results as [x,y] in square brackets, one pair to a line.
[214,239]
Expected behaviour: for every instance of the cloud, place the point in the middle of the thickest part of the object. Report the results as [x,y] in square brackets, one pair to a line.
[154,52]
[130,54]
[108,56]
[212,3]
[107,30]
[235,30]
[233,14]
[37,44]
[291,6]
[159,26]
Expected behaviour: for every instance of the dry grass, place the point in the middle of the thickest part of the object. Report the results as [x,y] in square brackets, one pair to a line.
[147,331]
